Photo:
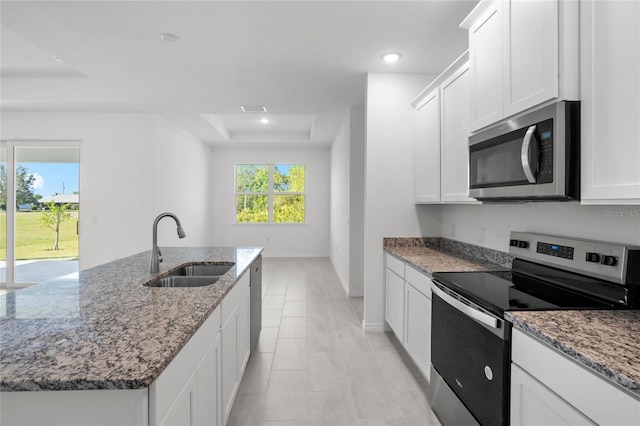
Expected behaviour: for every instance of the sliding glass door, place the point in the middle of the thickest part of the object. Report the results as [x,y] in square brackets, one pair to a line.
[40,211]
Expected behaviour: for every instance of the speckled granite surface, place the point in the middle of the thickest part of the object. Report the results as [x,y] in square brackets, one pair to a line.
[434,254]
[104,329]
[607,342]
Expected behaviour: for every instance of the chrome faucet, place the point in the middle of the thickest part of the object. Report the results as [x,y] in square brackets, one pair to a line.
[156,255]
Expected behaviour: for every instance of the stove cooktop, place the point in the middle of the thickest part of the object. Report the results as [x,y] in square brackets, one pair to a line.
[499,291]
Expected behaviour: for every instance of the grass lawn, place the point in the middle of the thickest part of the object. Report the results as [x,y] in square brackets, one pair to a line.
[35,241]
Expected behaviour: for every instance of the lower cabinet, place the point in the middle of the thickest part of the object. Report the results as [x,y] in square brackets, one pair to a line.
[418,319]
[548,388]
[234,335]
[408,310]
[200,384]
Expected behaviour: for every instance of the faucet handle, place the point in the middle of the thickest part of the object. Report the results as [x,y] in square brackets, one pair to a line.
[159,255]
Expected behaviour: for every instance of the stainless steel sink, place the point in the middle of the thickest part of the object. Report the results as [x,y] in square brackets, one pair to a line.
[182,281]
[202,270]
[198,275]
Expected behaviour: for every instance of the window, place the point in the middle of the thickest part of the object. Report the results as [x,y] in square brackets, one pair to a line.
[270,193]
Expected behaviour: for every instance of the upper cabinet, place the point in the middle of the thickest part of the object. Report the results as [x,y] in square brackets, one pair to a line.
[522,53]
[610,104]
[442,131]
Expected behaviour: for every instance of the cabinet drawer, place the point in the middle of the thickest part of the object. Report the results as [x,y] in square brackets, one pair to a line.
[599,400]
[418,280]
[395,265]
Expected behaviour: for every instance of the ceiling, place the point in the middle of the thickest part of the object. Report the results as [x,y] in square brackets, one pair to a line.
[305,61]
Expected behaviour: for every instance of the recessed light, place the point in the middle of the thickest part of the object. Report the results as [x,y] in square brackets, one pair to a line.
[170,38]
[253,108]
[390,58]
[264,120]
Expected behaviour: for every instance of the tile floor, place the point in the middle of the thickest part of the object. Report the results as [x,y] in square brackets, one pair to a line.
[314,365]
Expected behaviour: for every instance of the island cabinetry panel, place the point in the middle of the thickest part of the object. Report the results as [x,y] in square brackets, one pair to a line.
[234,340]
[548,386]
[522,54]
[184,391]
[442,131]
[408,312]
[75,408]
[610,102]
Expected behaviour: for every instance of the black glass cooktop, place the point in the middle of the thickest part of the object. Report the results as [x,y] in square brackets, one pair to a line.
[547,289]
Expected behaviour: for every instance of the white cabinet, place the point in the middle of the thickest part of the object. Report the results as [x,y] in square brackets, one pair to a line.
[455,133]
[234,335]
[522,54]
[408,310]
[533,404]
[610,102]
[486,61]
[427,148]
[394,306]
[442,131]
[549,388]
[418,319]
[186,392]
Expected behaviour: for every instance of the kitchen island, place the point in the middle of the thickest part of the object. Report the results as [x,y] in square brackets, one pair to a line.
[104,331]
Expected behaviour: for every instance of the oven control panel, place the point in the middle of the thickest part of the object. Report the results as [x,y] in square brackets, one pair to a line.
[609,261]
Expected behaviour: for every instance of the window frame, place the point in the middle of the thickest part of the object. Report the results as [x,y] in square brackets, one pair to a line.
[270,193]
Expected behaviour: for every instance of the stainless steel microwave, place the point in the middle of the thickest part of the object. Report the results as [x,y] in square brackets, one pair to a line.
[534,157]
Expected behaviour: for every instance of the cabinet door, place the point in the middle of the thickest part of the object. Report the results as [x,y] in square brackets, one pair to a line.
[395,304]
[208,386]
[244,335]
[455,133]
[427,149]
[230,367]
[531,46]
[610,92]
[181,412]
[486,59]
[535,405]
[418,328]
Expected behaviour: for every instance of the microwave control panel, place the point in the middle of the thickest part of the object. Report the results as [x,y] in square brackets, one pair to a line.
[545,151]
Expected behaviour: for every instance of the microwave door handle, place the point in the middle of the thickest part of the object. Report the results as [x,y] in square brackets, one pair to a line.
[481,317]
[529,137]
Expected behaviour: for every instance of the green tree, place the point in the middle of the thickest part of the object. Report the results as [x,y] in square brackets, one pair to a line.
[53,216]
[24,187]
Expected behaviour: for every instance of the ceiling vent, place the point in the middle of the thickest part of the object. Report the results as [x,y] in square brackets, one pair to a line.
[253,108]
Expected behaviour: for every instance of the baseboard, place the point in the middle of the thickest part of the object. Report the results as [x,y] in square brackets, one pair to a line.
[375,326]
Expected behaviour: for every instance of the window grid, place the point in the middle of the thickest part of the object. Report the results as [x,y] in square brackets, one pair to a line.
[271,194]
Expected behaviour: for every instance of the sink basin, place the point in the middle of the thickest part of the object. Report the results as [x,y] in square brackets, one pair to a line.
[183,281]
[202,270]
[198,275]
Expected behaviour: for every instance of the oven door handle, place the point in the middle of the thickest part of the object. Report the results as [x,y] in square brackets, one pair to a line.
[481,317]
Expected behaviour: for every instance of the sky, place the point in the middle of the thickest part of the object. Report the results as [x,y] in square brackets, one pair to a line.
[50,177]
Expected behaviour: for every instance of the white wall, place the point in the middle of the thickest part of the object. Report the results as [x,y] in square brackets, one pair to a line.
[340,202]
[279,240]
[347,202]
[607,223]
[122,188]
[389,194]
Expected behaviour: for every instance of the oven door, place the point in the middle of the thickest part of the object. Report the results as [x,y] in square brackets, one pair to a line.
[470,359]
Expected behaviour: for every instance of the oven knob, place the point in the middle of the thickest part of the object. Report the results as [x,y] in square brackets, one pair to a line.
[609,260]
[513,243]
[488,372]
[592,257]
[523,244]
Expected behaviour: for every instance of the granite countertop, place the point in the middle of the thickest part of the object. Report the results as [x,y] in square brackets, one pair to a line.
[434,254]
[103,329]
[606,342]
